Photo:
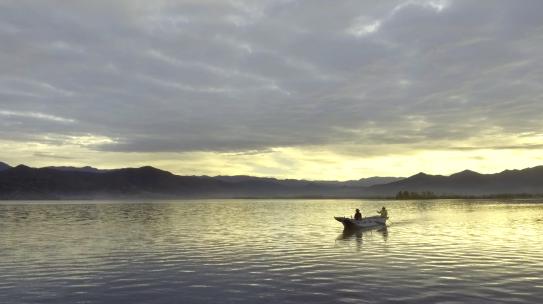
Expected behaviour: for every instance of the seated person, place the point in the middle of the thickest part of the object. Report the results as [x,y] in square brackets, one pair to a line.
[358,215]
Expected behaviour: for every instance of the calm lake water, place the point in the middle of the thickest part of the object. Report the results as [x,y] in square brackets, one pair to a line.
[270,251]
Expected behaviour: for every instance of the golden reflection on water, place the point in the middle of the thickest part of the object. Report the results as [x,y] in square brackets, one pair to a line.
[262,250]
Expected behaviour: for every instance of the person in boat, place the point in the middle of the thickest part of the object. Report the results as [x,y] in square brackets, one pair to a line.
[358,215]
[383,212]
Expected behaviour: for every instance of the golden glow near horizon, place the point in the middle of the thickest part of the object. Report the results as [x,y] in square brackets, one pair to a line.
[309,162]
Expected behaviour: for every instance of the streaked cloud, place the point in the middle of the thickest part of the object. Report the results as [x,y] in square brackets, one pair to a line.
[35,115]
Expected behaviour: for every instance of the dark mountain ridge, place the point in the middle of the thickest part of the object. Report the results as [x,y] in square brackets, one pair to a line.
[363,182]
[4,166]
[80,169]
[527,181]
[23,182]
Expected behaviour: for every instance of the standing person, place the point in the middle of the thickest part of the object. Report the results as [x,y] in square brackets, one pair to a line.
[358,215]
[383,212]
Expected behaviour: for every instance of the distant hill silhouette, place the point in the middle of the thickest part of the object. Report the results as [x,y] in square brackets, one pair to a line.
[363,182]
[77,169]
[4,166]
[529,181]
[22,182]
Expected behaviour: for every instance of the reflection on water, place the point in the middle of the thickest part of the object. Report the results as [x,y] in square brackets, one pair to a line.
[348,235]
[269,251]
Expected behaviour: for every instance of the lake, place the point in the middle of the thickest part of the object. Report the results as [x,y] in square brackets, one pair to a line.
[270,251]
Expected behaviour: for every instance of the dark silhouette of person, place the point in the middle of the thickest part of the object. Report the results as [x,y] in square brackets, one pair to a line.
[383,212]
[358,215]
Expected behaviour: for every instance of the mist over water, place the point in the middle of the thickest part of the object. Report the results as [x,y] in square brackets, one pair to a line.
[270,251]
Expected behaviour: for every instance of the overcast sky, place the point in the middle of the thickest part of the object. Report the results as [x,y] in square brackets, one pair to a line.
[303,89]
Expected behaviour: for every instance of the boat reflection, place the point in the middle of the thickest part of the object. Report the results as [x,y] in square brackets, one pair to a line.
[358,235]
[351,233]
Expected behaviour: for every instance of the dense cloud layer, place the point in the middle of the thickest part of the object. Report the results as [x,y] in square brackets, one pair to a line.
[146,76]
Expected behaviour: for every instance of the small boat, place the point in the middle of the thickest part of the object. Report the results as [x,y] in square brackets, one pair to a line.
[365,222]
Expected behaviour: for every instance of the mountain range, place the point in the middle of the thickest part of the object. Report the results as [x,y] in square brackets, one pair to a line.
[23,182]
[470,183]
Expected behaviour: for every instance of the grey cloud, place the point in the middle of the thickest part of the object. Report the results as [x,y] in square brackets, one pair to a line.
[252,75]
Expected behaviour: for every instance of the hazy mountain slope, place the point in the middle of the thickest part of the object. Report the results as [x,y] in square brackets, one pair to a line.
[4,166]
[77,169]
[467,182]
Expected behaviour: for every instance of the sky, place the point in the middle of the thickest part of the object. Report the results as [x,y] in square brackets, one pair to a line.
[291,89]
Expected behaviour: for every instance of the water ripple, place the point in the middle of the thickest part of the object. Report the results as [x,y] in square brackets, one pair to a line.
[266,251]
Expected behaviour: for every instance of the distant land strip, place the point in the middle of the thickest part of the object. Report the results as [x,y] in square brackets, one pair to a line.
[86,183]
